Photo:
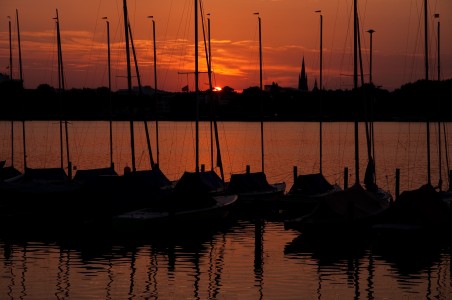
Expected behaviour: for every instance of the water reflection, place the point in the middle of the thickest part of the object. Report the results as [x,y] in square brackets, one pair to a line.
[62,283]
[216,265]
[410,258]
[253,256]
[413,264]
[326,252]
[333,257]
[136,265]
[245,259]
[258,254]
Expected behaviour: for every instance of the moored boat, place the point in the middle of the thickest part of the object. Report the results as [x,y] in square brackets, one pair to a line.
[150,219]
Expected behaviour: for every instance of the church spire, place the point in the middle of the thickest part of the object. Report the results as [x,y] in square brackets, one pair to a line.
[303,78]
[315,88]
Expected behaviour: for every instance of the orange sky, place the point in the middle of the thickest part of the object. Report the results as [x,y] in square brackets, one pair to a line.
[290,31]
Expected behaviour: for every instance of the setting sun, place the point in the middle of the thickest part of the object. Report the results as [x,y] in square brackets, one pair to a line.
[217,89]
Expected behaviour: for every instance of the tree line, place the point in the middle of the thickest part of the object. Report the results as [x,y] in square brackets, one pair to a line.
[418,101]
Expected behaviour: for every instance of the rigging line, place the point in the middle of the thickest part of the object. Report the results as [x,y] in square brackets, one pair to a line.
[360,51]
[225,144]
[119,45]
[345,42]
[91,48]
[405,56]
[208,59]
[149,52]
[151,158]
[12,34]
[412,55]
[52,58]
[133,15]
[433,37]
[416,43]
[181,44]
[165,71]
[327,72]
[363,33]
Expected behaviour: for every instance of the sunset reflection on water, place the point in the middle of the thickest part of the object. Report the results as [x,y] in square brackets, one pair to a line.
[248,257]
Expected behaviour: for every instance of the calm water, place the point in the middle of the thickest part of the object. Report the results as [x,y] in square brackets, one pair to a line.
[288,144]
[247,258]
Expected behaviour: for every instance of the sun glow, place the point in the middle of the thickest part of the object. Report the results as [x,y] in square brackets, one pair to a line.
[217,89]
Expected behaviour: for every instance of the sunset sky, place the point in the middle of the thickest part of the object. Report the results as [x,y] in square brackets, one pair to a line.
[290,31]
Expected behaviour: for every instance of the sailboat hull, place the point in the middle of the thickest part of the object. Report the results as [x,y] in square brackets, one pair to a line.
[153,219]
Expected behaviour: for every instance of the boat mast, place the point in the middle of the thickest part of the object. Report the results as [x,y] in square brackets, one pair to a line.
[355,83]
[213,120]
[112,165]
[426,78]
[371,32]
[18,44]
[217,140]
[62,89]
[22,83]
[320,92]
[140,91]
[10,51]
[59,92]
[129,82]
[261,91]
[440,181]
[209,72]
[209,75]
[11,78]
[196,87]
[155,91]
[438,49]
[360,56]
[426,38]
[156,96]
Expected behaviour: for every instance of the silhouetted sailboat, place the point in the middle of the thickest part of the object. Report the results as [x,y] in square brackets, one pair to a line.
[446,195]
[220,182]
[191,202]
[10,172]
[307,189]
[47,177]
[253,187]
[86,175]
[354,209]
[52,185]
[135,189]
[423,212]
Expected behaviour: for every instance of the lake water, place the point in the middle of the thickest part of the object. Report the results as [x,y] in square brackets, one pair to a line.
[250,257]
[398,145]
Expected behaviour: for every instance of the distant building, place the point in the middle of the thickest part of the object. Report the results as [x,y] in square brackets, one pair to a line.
[274,87]
[6,83]
[303,78]
[4,77]
[315,88]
